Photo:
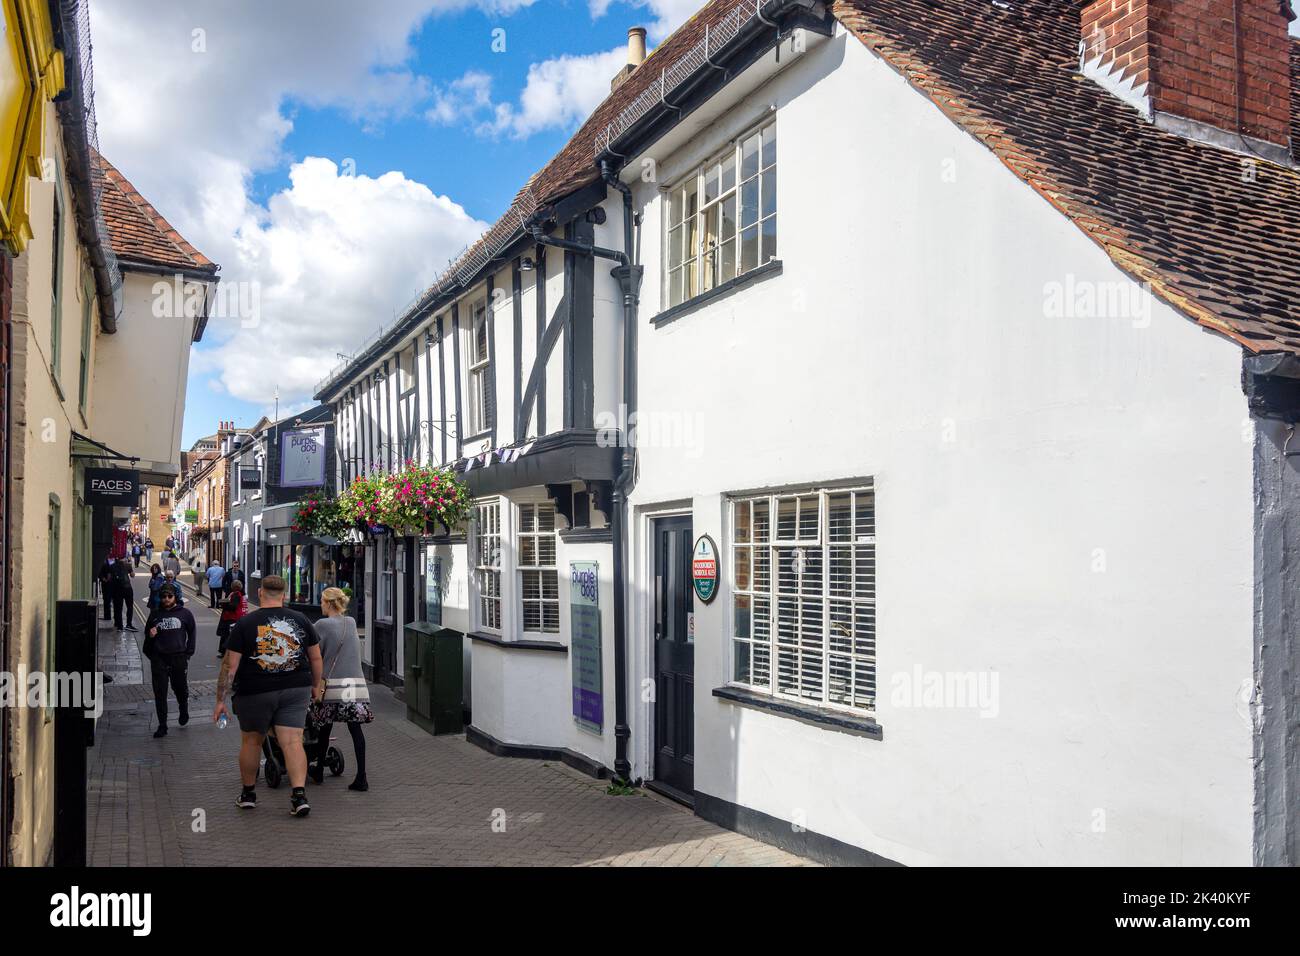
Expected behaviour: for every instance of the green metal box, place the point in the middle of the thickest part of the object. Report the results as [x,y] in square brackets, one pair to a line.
[434,677]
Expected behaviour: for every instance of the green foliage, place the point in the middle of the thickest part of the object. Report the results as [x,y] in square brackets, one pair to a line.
[406,502]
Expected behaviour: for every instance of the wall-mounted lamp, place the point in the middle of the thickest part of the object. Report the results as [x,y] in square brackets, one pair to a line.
[377,377]
[526,264]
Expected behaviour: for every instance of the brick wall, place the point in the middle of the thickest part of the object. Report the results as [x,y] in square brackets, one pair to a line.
[1211,61]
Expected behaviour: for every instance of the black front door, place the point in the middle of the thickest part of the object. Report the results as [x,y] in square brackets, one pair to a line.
[674,656]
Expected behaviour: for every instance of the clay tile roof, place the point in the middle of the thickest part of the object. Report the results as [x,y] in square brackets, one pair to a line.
[139,233]
[1184,216]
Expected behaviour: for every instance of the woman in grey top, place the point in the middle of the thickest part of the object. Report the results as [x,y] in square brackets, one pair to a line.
[346,699]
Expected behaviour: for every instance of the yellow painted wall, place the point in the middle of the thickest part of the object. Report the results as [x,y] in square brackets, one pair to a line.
[45,412]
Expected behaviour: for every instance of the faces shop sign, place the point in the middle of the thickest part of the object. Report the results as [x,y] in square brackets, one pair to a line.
[704,568]
[112,486]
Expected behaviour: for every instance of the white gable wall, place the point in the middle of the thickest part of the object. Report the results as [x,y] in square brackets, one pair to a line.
[1066,502]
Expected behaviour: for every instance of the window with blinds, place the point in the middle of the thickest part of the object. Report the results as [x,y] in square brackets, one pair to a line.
[722,217]
[539,585]
[804,596]
[487,562]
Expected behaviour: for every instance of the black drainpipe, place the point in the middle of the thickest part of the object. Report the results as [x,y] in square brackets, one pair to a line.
[629,279]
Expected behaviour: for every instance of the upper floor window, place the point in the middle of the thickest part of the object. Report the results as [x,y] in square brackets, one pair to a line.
[804,596]
[722,217]
[487,562]
[480,384]
[539,585]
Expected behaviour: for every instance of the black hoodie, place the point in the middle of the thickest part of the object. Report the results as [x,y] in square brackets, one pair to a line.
[175,632]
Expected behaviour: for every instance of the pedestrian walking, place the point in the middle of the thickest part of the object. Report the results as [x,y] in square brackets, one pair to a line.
[105,579]
[196,569]
[148,548]
[344,699]
[123,594]
[169,577]
[169,642]
[216,575]
[233,608]
[274,657]
[156,582]
[233,575]
[171,563]
[137,552]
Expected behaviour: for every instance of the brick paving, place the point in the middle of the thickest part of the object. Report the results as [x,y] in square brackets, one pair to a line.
[432,801]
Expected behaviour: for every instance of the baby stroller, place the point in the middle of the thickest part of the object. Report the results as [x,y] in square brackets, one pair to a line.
[274,767]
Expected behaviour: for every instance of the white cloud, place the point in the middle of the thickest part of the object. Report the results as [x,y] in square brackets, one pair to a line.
[559,94]
[194,101]
[667,15]
[332,256]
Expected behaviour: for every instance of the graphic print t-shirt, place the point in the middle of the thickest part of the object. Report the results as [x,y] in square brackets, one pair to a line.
[273,642]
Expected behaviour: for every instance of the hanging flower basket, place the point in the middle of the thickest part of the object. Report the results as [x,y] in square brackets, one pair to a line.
[321,517]
[407,502]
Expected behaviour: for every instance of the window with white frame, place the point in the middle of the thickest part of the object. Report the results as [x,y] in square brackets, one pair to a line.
[804,596]
[722,217]
[539,585]
[384,604]
[487,562]
[479,381]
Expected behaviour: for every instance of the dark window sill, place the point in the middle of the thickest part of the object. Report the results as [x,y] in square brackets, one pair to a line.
[586,535]
[470,439]
[807,713]
[767,269]
[497,641]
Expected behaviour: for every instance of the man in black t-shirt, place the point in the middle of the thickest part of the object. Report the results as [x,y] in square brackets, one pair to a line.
[169,637]
[274,657]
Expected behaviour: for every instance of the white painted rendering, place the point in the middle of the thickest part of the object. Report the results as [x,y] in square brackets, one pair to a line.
[157,349]
[1013,454]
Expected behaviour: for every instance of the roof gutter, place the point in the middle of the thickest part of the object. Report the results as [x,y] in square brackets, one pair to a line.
[73,113]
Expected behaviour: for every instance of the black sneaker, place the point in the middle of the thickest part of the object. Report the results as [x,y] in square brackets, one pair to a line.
[361,785]
[132,627]
[247,799]
[298,804]
[184,718]
[316,773]
[160,732]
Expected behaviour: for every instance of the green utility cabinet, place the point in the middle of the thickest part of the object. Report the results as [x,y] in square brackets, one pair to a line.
[434,677]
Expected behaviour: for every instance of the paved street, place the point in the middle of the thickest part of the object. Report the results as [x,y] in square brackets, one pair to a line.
[432,800]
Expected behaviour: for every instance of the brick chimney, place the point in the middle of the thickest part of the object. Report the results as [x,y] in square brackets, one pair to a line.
[635,57]
[1217,71]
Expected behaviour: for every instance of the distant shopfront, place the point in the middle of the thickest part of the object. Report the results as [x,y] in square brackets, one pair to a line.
[309,564]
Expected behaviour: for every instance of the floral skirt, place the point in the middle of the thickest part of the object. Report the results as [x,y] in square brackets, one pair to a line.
[339,712]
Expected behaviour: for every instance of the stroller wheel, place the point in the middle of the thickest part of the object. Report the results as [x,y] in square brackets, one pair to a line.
[273,774]
[334,760]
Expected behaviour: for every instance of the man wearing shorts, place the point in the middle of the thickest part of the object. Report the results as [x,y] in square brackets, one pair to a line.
[274,656]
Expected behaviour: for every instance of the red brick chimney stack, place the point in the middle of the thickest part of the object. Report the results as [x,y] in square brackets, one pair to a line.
[1218,71]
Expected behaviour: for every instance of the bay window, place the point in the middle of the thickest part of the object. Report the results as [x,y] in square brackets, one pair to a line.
[539,586]
[487,562]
